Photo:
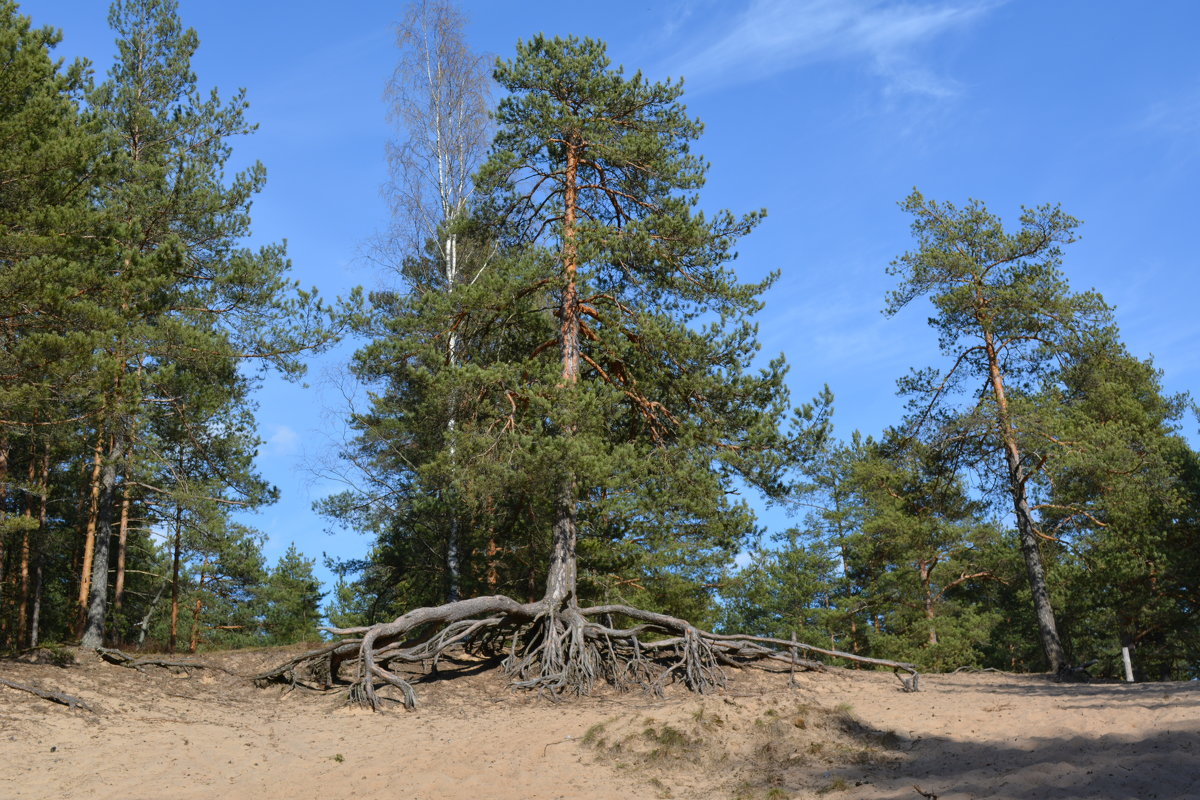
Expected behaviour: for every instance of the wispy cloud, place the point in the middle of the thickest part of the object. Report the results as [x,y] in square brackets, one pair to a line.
[1176,116]
[678,14]
[843,332]
[283,441]
[774,36]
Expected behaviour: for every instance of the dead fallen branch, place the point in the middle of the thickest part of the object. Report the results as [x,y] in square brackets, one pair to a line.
[555,650]
[70,701]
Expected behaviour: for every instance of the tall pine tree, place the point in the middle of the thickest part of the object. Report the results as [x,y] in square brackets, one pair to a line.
[188,298]
[1005,315]
[610,395]
[52,297]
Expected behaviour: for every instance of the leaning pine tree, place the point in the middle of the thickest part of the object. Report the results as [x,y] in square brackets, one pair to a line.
[1006,315]
[610,381]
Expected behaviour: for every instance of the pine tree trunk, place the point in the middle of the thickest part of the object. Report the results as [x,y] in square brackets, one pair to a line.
[493,575]
[144,625]
[1047,626]
[930,615]
[35,617]
[560,581]
[122,543]
[23,571]
[175,558]
[3,505]
[197,610]
[77,542]
[123,538]
[40,548]
[23,574]
[93,633]
[89,539]
[3,572]
[1026,531]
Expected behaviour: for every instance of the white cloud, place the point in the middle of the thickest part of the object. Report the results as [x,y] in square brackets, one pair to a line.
[283,441]
[773,36]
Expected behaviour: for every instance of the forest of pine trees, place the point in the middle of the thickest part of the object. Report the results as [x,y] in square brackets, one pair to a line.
[566,404]
[135,324]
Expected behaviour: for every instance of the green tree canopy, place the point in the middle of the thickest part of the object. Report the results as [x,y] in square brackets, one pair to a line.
[291,598]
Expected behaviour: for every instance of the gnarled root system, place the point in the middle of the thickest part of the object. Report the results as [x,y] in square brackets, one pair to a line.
[554,650]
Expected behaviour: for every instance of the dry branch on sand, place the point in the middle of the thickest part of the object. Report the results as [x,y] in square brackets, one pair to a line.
[555,650]
[70,701]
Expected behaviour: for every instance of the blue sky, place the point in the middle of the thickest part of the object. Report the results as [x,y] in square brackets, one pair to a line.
[825,112]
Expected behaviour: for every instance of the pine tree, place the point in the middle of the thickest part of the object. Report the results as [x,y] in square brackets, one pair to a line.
[291,600]
[1004,316]
[921,551]
[785,589]
[610,397]
[51,157]
[197,472]
[1120,487]
[594,171]
[188,302]
[887,564]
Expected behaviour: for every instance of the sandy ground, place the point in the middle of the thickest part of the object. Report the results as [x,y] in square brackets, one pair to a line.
[840,734]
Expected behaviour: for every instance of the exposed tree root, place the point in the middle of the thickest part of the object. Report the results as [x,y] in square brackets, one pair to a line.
[122,659]
[70,701]
[554,651]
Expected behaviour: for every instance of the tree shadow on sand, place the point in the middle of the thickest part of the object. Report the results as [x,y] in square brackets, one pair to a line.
[1164,765]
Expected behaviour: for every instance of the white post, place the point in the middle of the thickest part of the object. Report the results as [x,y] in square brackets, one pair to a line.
[1128,665]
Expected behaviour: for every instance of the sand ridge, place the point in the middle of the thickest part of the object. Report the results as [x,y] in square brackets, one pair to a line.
[842,734]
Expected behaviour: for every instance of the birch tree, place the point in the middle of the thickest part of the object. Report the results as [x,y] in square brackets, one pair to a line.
[439,99]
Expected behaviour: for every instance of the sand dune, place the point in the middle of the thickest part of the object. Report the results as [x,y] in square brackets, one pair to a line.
[839,734]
